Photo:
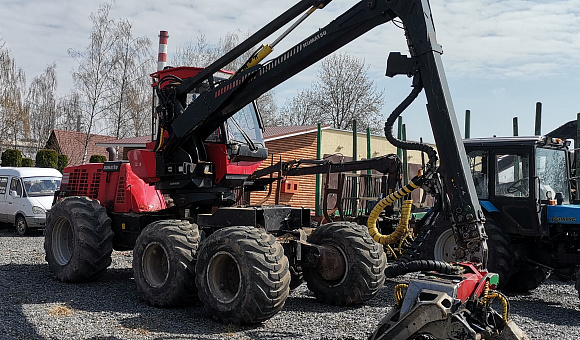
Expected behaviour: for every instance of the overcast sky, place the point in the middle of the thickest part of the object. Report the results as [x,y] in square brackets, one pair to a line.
[500,57]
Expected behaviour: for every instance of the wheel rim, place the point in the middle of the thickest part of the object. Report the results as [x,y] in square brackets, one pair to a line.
[62,241]
[155,264]
[224,277]
[20,226]
[445,247]
[333,265]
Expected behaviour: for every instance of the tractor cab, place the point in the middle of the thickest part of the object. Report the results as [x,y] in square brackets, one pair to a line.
[522,181]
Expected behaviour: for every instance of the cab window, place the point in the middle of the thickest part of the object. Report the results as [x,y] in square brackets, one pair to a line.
[511,179]
[478,167]
[15,185]
[3,185]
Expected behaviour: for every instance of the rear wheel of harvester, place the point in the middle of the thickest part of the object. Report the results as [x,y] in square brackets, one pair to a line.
[164,263]
[440,245]
[78,239]
[242,275]
[526,279]
[353,271]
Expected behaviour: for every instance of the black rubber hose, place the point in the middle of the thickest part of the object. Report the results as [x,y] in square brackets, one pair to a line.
[417,88]
[403,268]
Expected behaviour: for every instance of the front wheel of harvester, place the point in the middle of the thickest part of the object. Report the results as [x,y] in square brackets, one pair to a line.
[164,263]
[242,275]
[357,275]
[78,239]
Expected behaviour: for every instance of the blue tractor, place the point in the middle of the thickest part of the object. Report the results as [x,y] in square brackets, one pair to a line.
[532,217]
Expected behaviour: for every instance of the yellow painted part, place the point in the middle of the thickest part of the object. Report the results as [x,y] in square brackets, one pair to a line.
[263,53]
[502,299]
[399,293]
[374,215]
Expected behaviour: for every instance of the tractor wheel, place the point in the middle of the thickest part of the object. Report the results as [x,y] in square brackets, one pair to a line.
[78,239]
[296,278]
[440,245]
[21,225]
[164,263]
[242,275]
[526,279]
[358,274]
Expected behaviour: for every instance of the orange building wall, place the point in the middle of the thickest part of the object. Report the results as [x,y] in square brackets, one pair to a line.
[296,147]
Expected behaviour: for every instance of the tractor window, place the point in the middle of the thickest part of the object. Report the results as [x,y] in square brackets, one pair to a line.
[478,166]
[511,179]
[551,169]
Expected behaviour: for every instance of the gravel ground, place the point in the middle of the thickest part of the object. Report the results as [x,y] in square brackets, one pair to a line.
[35,306]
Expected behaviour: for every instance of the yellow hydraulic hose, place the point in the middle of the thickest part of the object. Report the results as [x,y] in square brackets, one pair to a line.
[502,299]
[402,228]
[399,293]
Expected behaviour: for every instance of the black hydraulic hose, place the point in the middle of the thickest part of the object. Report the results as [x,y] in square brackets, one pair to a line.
[417,88]
[402,268]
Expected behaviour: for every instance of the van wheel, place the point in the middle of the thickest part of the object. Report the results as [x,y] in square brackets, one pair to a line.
[21,226]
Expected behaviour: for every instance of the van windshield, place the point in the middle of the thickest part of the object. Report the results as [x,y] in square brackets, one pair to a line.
[41,186]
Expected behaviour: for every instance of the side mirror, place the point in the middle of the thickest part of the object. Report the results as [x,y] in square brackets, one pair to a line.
[14,194]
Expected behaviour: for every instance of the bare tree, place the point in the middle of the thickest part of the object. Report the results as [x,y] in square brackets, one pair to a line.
[301,110]
[69,112]
[42,103]
[132,61]
[14,120]
[202,53]
[342,93]
[92,78]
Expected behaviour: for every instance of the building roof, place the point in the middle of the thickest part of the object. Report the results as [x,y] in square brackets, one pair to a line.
[72,144]
[270,133]
[278,132]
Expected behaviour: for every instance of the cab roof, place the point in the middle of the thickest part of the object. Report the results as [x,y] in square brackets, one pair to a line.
[29,172]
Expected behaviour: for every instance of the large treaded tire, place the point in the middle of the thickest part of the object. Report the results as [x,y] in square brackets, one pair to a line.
[364,263]
[526,279]
[164,263]
[242,275]
[78,239]
[440,243]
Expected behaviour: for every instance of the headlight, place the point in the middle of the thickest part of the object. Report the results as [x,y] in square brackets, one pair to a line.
[38,210]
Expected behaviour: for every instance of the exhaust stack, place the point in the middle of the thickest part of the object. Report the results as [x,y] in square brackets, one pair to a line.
[162,56]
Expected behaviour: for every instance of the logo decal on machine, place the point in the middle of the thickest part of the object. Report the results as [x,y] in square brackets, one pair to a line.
[563,219]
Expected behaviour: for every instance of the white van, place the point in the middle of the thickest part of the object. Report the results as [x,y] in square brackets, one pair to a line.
[26,194]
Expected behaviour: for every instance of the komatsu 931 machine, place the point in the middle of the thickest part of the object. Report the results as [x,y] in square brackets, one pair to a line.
[173,204]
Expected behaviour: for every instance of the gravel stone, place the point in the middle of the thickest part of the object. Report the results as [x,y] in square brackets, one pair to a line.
[36,306]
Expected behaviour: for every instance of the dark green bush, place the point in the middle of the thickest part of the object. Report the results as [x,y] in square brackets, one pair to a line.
[47,158]
[27,162]
[11,157]
[62,162]
[98,159]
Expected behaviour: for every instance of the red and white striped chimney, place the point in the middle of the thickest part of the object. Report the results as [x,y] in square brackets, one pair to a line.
[162,57]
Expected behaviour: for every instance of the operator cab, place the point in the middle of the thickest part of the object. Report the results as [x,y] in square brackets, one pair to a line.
[236,148]
[516,176]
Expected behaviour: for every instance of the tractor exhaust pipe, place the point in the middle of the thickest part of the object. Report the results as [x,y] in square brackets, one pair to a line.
[162,56]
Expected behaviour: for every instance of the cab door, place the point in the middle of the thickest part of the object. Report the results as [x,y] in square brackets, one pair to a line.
[3,195]
[512,190]
[15,203]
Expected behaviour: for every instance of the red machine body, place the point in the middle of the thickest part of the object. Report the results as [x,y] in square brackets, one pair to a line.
[114,184]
